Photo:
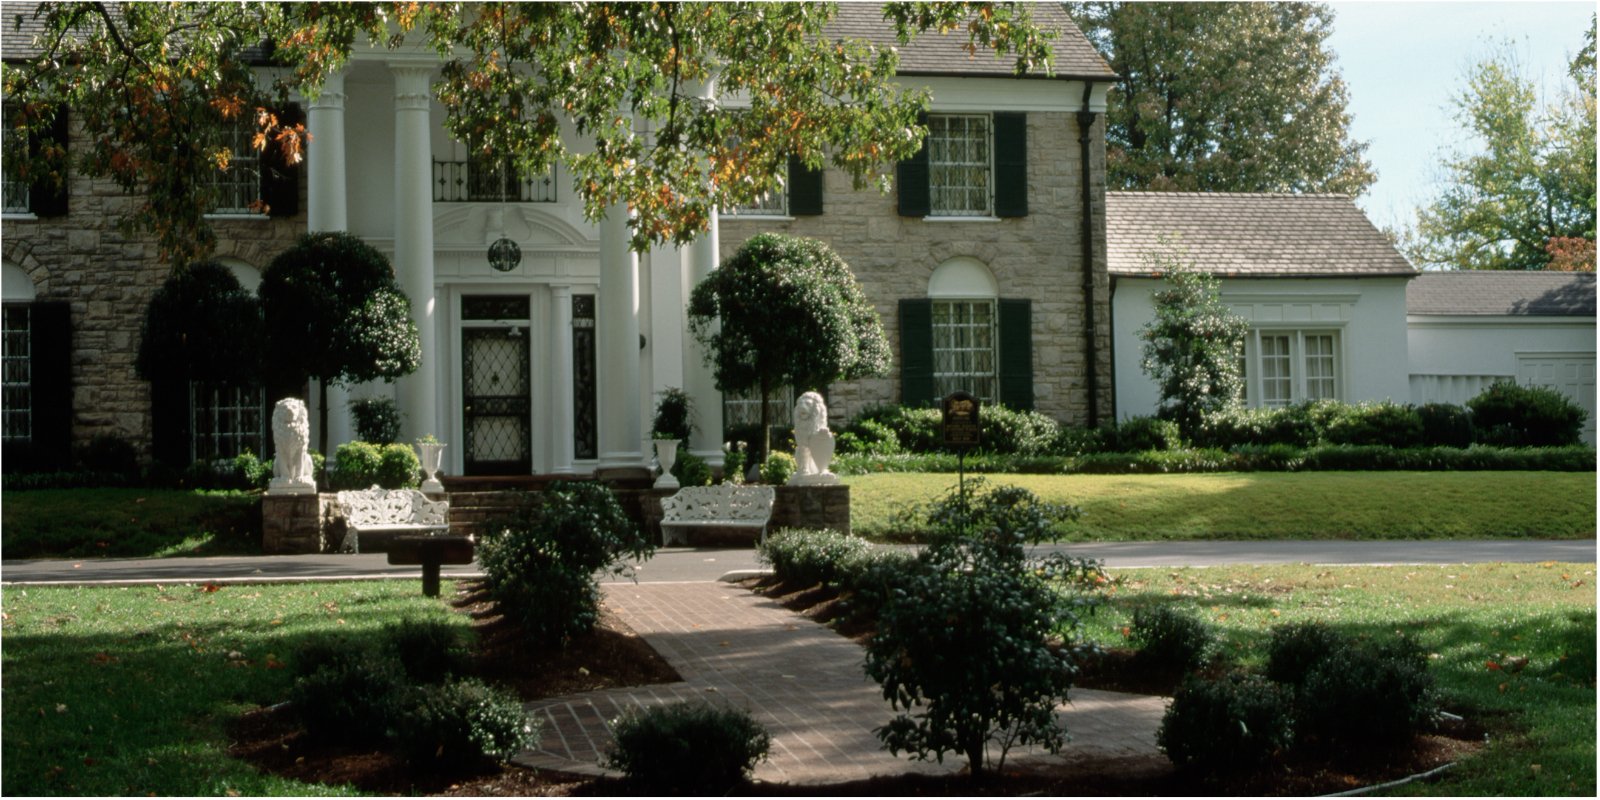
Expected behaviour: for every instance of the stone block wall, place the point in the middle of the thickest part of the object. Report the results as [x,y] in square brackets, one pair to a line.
[1038,257]
[296,524]
[108,276]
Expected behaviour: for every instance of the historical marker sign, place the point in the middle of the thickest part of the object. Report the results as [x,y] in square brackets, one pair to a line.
[961,428]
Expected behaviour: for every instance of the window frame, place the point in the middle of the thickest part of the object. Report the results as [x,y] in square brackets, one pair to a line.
[938,193]
[1295,361]
[243,178]
[948,351]
[17,364]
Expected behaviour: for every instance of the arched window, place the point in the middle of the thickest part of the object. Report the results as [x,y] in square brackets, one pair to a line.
[964,336]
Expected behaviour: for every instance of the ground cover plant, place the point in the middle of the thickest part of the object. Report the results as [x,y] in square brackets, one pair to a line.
[121,522]
[1323,505]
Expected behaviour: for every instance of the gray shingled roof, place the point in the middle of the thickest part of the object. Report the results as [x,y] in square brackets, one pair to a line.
[935,54]
[1249,235]
[928,54]
[1496,293]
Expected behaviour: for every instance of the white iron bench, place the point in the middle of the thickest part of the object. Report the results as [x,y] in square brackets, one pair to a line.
[724,506]
[399,511]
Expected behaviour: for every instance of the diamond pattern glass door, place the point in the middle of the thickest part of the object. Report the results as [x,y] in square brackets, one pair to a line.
[496,401]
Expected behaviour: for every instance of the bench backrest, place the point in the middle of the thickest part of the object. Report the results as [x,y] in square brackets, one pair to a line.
[377,507]
[726,501]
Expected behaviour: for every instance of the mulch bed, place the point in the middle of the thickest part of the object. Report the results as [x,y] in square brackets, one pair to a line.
[614,656]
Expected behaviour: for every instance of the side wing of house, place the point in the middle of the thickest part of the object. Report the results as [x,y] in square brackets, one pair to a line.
[1466,330]
[1323,291]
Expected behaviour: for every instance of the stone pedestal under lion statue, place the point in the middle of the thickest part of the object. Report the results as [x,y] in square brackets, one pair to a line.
[813,443]
[291,436]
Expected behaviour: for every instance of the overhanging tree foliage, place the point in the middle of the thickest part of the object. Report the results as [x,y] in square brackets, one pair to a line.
[153,84]
[786,310]
[201,325]
[1523,196]
[1224,97]
[1192,347]
[335,313]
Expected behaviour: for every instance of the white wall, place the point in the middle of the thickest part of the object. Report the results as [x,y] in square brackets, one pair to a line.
[1368,313]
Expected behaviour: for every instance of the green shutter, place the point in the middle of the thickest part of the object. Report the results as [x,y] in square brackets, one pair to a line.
[47,198]
[50,362]
[805,189]
[280,180]
[1016,354]
[1010,164]
[916,353]
[911,178]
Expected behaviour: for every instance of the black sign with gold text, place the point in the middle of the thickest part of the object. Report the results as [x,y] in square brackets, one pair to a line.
[961,428]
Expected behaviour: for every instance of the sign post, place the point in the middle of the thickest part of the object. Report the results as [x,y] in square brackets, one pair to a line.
[962,432]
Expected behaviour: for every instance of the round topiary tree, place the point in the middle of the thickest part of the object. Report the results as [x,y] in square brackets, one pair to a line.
[334,312]
[790,313]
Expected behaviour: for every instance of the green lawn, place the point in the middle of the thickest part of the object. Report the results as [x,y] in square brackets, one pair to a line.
[1263,505]
[126,691]
[78,523]
[1542,719]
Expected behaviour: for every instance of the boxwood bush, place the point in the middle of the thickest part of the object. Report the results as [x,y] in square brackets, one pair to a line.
[1368,697]
[1172,638]
[1525,416]
[1238,721]
[689,748]
[461,722]
[805,557]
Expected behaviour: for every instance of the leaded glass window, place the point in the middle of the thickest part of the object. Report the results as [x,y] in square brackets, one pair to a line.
[960,166]
[16,364]
[964,357]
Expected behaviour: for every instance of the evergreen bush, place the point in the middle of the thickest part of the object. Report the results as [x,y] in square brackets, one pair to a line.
[376,419]
[805,557]
[1509,415]
[1172,638]
[1294,649]
[460,723]
[1238,721]
[1367,698]
[1386,424]
[688,748]
[1445,425]
[777,469]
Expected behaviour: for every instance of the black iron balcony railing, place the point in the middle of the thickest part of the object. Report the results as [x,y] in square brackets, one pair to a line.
[476,181]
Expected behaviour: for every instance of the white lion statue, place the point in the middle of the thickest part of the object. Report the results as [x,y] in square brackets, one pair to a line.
[813,442]
[291,436]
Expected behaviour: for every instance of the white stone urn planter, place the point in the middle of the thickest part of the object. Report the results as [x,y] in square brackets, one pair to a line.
[666,455]
[431,454]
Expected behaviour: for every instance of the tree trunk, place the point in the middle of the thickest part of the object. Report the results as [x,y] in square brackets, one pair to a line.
[766,429]
[322,417]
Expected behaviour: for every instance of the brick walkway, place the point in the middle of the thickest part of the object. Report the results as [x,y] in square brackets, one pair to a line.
[801,680]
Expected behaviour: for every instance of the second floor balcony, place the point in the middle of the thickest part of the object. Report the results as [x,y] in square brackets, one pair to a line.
[488,181]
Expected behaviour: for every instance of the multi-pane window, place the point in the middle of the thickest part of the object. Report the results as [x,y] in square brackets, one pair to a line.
[964,358]
[960,165]
[16,364]
[239,186]
[772,204]
[1281,368]
[744,408]
[16,195]
[225,420]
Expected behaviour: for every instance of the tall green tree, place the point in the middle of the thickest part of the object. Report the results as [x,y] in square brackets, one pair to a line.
[334,312]
[1224,97]
[1192,346]
[153,84]
[1521,194]
[786,311]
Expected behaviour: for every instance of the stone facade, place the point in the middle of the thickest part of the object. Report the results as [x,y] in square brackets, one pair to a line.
[108,276]
[1038,257]
[298,524]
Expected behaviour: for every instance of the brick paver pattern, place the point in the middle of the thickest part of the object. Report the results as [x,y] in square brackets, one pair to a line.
[801,680]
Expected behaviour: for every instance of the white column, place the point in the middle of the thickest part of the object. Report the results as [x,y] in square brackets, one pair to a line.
[617,343]
[563,416]
[325,211]
[325,192]
[413,238]
[698,380]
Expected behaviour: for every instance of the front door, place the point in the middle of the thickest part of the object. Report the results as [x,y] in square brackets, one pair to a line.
[496,403]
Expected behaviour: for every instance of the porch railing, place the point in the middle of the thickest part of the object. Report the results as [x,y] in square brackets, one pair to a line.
[473,181]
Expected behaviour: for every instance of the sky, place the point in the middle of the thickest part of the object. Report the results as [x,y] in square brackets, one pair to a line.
[1402,62]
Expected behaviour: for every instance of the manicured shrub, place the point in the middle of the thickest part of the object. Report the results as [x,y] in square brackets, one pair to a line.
[376,420]
[1294,649]
[1238,721]
[1137,434]
[1386,424]
[355,466]
[1009,431]
[348,694]
[1072,440]
[867,436]
[1445,425]
[1367,698]
[398,467]
[690,469]
[1509,415]
[690,748]
[110,454]
[733,462]
[870,577]
[673,417]
[461,722]
[917,429]
[777,469]
[430,651]
[807,557]
[540,562]
[1172,638]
